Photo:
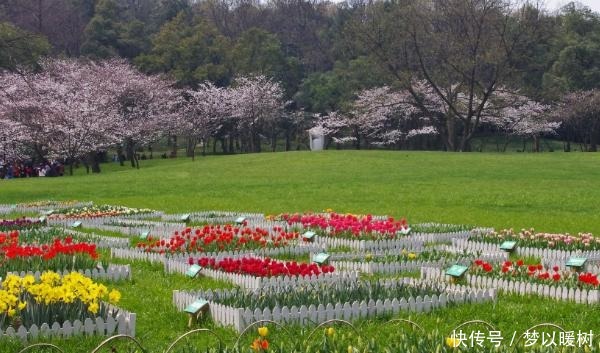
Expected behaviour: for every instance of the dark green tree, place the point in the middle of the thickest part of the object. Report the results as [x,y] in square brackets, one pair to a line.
[190,52]
[113,32]
[19,47]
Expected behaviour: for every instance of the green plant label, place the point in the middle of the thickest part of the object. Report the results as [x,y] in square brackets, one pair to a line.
[196,307]
[457,271]
[576,262]
[508,245]
[320,258]
[193,271]
[309,235]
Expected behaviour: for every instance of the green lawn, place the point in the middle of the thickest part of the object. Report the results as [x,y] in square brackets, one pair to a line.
[550,191]
[556,192]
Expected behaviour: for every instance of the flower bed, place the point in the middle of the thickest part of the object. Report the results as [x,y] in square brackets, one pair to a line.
[97,212]
[349,226]
[262,267]
[251,282]
[40,206]
[395,262]
[16,255]
[546,254]
[578,295]
[535,273]
[18,224]
[53,298]
[218,238]
[529,238]
[316,304]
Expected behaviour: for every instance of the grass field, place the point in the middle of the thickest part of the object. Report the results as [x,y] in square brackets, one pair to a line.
[550,191]
[556,192]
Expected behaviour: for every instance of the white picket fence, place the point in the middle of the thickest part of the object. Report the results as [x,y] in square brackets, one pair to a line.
[101,241]
[592,265]
[368,245]
[546,254]
[252,282]
[385,267]
[577,295]
[214,217]
[304,315]
[413,241]
[131,227]
[141,254]
[137,254]
[38,209]
[67,222]
[112,273]
[124,323]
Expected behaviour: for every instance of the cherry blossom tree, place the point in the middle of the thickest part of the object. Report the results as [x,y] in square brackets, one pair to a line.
[72,109]
[257,103]
[380,116]
[207,110]
[147,105]
[517,115]
[23,128]
[78,107]
[580,112]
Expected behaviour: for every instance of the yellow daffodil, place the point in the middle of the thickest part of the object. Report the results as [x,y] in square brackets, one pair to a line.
[452,342]
[114,296]
[93,308]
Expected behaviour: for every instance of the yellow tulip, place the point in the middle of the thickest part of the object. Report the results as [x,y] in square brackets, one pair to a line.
[350,349]
[329,331]
[263,331]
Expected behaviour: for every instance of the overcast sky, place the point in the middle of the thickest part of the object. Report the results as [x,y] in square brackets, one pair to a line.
[555,4]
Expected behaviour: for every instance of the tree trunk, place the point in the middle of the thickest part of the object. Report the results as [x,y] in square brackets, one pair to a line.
[593,142]
[95,164]
[274,142]
[536,143]
[120,155]
[451,133]
[191,144]
[288,142]
[130,153]
[223,145]
[506,142]
[174,147]
[465,144]
[71,167]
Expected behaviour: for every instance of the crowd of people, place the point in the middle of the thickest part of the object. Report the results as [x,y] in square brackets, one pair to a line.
[28,169]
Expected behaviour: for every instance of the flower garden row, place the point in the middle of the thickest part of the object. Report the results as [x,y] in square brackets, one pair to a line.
[243,249]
